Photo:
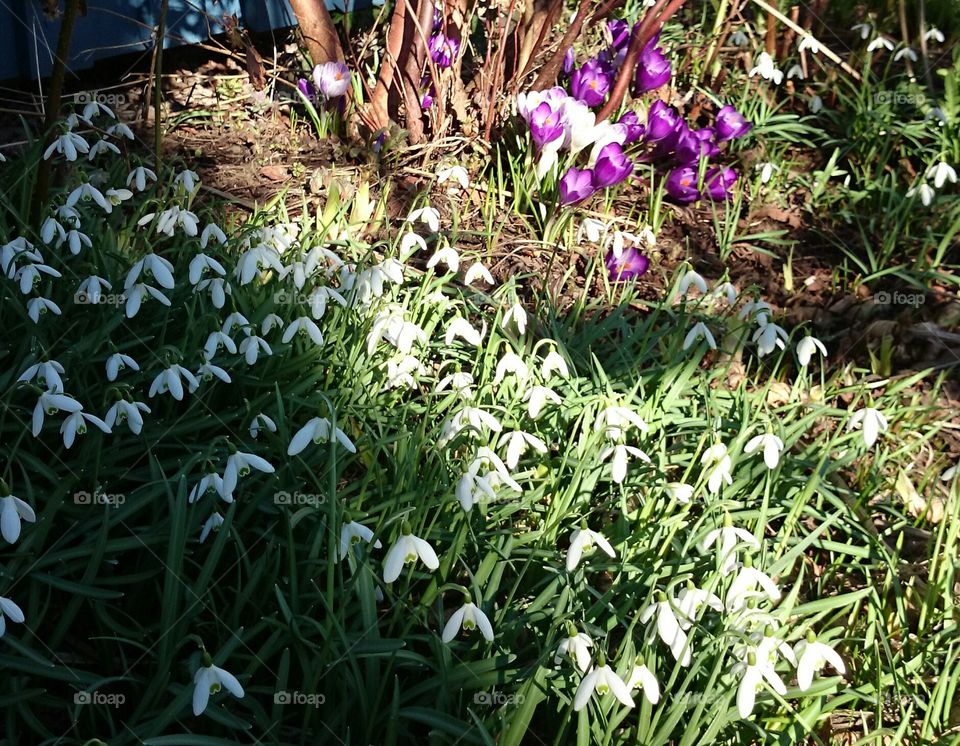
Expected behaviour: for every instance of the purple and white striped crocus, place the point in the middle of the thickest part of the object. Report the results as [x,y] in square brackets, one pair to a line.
[332,79]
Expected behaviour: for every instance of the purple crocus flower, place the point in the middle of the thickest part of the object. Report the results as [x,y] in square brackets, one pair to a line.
[332,79]
[443,50]
[731,124]
[718,182]
[619,33]
[662,121]
[681,185]
[576,185]
[546,124]
[569,61]
[653,71]
[305,88]
[631,121]
[692,146]
[630,265]
[437,19]
[612,166]
[590,83]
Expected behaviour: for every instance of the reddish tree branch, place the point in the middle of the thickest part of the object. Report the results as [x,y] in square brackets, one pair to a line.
[318,31]
[548,73]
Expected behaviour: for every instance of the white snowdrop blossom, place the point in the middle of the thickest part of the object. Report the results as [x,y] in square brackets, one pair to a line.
[460,327]
[808,42]
[536,398]
[169,381]
[554,362]
[37,307]
[766,68]
[941,173]
[407,550]
[212,524]
[187,181]
[427,215]
[76,424]
[748,583]
[697,332]
[577,647]
[117,362]
[515,316]
[13,510]
[616,420]
[517,443]
[9,610]
[601,680]
[252,346]
[772,446]
[139,176]
[240,464]
[642,678]
[621,459]
[812,656]
[456,174]
[691,600]
[691,278]
[905,52]
[212,231]
[318,430]
[934,34]
[729,537]
[668,627]
[478,272]
[469,617]
[151,266]
[769,337]
[925,192]
[511,363]
[129,412]
[754,671]
[391,326]
[262,422]
[88,192]
[47,373]
[718,467]
[49,403]
[582,542]
[303,325]
[69,145]
[873,423]
[806,347]
[256,260]
[448,255]
[209,680]
[354,533]
[682,493]
[880,42]
[864,29]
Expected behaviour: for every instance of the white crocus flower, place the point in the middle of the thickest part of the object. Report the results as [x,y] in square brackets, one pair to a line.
[318,430]
[668,627]
[460,327]
[517,316]
[511,364]
[536,398]
[209,680]
[408,549]
[941,173]
[129,412]
[582,541]
[729,536]
[750,582]
[13,510]
[925,191]
[554,362]
[9,610]
[766,68]
[601,680]
[772,446]
[697,332]
[469,617]
[49,403]
[117,362]
[806,347]
[36,307]
[812,656]
[682,493]
[873,423]
[47,373]
[718,465]
[139,176]
[76,424]
[769,337]
[642,678]
[353,533]
[621,459]
[691,600]
[454,173]
[262,422]
[304,325]
[427,215]
[168,381]
[69,144]
[755,671]
[478,272]
[616,420]
[577,647]
[517,442]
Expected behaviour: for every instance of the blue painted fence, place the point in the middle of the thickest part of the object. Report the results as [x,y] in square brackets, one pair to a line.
[112,27]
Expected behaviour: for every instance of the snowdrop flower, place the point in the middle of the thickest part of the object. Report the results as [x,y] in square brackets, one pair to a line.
[812,657]
[469,617]
[517,443]
[168,221]
[925,191]
[766,68]
[577,647]
[448,256]
[794,71]
[318,300]
[117,362]
[642,678]
[212,231]
[617,420]
[99,147]
[29,276]
[49,403]
[261,422]
[239,464]
[12,511]
[934,34]
[118,196]
[691,600]
[215,341]
[9,610]
[77,240]
[209,679]
[213,523]
[691,278]
[806,347]
[87,192]
[682,493]
[621,459]
[50,230]
[153,266]
[905,52]
[427,215]
[718,464]
[582,542]
[460,327]
[865,29]
[730,536]
[318,430]
[69,144]
[554,362]
[880,41]
[769,337]
[600,680]
[755,671]
[592,229]
[129,412]
[256,260]
[410,243]
[766,171]
[757,307]
[36,307]
[474,417]
[478,272]
[699,331]
[668,627]
[209,482]
[772,446]
[816,104]
[472,488]
[391,326]
[408,549]
[208,371]
[252,346]
[536,398]
[187,181]
[460,382]
[168,381]
[353,533]
[725,290]
[47,373]
[76,424]
[119,129]
[454,173]
[305,325]
[941,173]
[808,42]
[18,248]
[402,371]
[750,582]
[517,316]
[873,423]
[139,176]
[270,321]
[739,38]
[511,364]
